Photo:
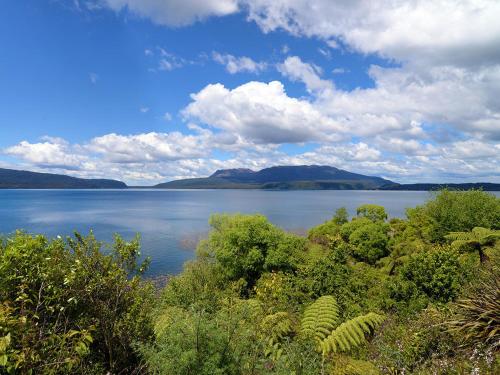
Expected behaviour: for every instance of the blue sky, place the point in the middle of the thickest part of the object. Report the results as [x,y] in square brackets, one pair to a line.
[148,91]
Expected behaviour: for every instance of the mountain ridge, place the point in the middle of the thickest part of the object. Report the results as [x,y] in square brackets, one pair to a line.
[301,177]
[20,179]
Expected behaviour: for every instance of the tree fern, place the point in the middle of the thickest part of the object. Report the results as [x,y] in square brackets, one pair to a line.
[275,328]
[351,334]
[475,239]
[320,318]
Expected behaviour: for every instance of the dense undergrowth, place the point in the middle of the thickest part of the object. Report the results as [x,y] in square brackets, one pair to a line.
[363,296]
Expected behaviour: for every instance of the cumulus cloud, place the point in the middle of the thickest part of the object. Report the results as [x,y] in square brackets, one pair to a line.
[262,113]
[441,31]
[403,98]
[150,158]
[238,64]
[148,147]
[433,115]
[54,152]
[174,12]
[297,70]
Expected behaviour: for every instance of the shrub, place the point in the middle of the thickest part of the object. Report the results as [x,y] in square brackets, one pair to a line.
[456,211]
[372,212]
[370,242]
[68,307]
[437,274]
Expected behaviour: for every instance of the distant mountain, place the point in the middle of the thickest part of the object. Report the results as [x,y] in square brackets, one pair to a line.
[303,177]
[486,186]
[14,179]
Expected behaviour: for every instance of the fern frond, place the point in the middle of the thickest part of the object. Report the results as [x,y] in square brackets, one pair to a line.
[275,327]
[478,234]
[320,318]
[351,334]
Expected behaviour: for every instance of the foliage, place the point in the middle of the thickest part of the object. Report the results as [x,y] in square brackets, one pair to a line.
[246,246]
[372,212]
[321,321]
[320,318]
[456,211]
[476,239]
[370,242]
[364,296]
[65,306]
[198,342]
[351,334]
[436,274]
[478,318]
[329,230]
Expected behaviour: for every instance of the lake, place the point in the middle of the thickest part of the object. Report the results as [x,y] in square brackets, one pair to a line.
[172,221]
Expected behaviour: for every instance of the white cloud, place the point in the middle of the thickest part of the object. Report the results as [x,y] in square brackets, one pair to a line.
[443,31]
[144,109]
[54,152]
[175,12]
[151,158]
[403,98]
[297,70]
[148,147]
[262,113]
[167,116]
[239,64]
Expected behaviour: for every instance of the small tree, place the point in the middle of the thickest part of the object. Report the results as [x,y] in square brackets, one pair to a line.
[372,212]
[476,240]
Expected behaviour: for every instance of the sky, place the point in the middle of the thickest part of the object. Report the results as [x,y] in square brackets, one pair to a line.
[147,91]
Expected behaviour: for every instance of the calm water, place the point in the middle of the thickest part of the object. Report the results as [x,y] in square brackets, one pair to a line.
[171,221]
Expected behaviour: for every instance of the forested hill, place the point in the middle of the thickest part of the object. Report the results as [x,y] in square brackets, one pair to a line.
[15,179]
[486,186]
[282,178]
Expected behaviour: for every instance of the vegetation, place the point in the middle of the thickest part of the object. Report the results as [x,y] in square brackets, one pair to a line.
[14,179]
[361,296]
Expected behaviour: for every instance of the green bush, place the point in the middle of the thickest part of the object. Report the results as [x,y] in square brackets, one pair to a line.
[245,246]
[326,232]
[370,242]
[372,212]
[455,211]
[67,307]
[437,274]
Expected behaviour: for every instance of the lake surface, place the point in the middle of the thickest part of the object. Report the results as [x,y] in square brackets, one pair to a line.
[172,221]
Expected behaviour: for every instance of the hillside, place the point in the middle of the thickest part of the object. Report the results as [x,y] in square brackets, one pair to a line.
[303,177]
[486,186]
[15,179]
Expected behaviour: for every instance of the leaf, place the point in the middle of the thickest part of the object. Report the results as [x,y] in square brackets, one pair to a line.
[320,318]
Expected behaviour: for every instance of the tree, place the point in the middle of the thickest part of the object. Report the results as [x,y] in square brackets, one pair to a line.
[476,240]
[455,211]
[244,246]
[370,242]
[436,273]
[372,212]
[341,216]
[325,233]
[66,307]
